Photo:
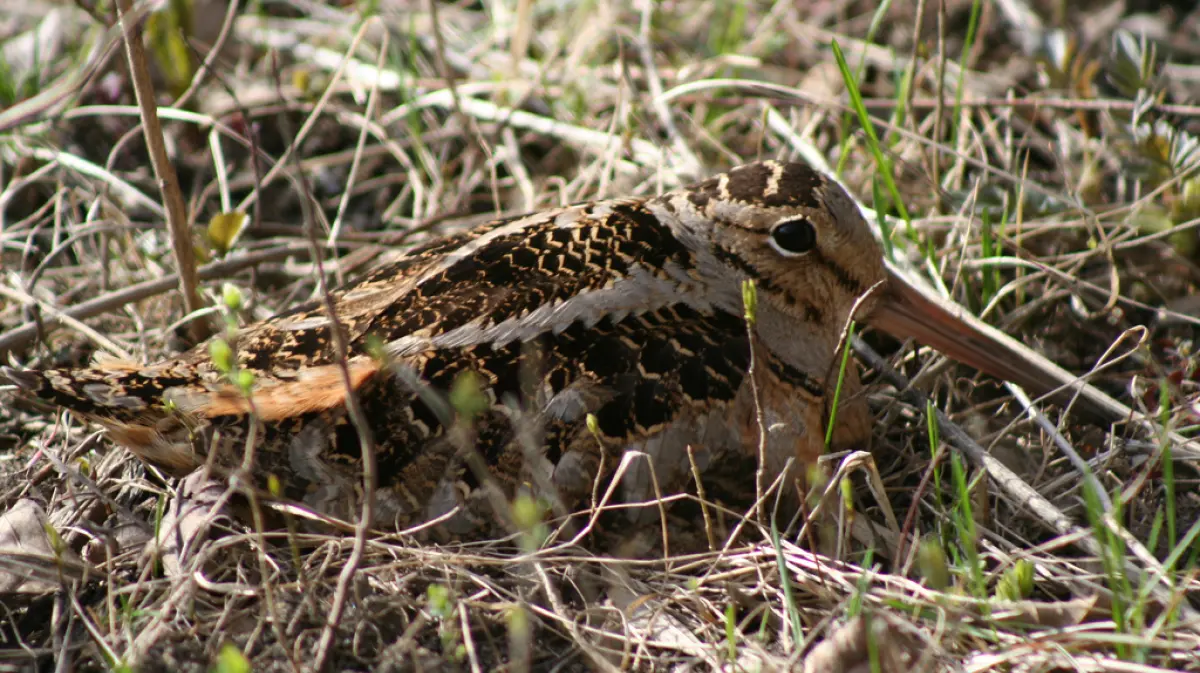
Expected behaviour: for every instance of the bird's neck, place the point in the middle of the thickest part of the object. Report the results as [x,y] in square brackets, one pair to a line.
[807,347]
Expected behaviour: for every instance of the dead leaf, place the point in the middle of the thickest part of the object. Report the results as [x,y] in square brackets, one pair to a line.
[186,522]
[29,563]
[223,230]
[1054,614]
[848,649]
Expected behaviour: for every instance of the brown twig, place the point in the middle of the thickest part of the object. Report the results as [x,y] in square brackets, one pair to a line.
[164,170]
[1021,492]
[24,335]
[358,418]
[472,129]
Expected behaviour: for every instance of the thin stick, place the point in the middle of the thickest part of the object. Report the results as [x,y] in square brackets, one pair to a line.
[1016,488]
[702,498]
[96,337]
[358,418]
[689,163]
[168,182]
[24,335]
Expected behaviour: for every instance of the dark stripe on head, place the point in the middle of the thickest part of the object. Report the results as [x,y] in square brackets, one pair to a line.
[844,278]
[797,186]
[812,312]
[792,375]
[748,183]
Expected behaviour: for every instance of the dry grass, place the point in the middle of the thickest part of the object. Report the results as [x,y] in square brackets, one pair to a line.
[1048,169]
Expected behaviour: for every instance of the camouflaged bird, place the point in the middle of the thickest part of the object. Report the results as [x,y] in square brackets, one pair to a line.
[630,310]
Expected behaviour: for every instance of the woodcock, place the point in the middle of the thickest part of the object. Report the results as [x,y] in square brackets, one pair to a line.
[630,310]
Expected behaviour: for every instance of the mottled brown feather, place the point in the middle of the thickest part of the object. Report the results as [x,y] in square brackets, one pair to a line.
[628,310]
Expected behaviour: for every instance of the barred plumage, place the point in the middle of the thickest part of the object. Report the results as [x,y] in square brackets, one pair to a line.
[629,309]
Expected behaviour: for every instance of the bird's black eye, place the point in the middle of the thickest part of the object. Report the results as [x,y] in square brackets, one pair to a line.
[794,237]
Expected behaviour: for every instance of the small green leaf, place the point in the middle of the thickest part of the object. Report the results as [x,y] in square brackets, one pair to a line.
[222,355]
[302,80]
[56,541]
[518,622]
[223,230]
[441,603]
[526,513]
[1189,196]
[731,632]
[529,516]
[231,296]
[245,381]
[273,486]
[1132,63]
[377,348]
[847,489]
[467,396]
[931,562]
[1150,219]
[168,30]
[1017,582]
[750,300]
[231,660]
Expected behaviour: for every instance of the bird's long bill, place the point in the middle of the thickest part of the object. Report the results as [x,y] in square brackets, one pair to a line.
[906,312]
